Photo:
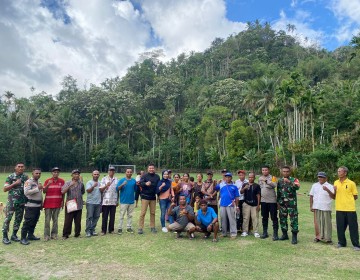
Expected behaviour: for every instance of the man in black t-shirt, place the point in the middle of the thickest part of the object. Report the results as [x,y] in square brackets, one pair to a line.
[148,184]
[251,206]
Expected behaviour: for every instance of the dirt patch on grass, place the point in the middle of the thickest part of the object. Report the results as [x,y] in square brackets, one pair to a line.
[82,269]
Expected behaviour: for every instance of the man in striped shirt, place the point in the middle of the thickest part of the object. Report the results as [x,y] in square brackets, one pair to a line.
[53,203]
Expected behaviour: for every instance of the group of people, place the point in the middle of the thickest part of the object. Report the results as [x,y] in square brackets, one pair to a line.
[187,204]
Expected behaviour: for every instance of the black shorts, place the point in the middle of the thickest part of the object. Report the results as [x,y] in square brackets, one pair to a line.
[204,228]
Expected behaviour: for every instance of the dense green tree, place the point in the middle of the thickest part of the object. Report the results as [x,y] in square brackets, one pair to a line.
[255,97]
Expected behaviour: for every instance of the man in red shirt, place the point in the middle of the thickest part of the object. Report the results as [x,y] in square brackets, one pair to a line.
[52,203]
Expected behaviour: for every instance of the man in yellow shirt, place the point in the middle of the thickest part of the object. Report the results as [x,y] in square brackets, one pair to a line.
[345,196]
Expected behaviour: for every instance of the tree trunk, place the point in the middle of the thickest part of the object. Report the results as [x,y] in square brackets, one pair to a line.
[159,158]
[293,158]
[312,132]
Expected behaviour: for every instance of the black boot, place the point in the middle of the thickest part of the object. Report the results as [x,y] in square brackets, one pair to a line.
[284,235]
[23,240]
[265,232]
[275,235]
[6,240]
[14,237]
[31,236]
[294,238]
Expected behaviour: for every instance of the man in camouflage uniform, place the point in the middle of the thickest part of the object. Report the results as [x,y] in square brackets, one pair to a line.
[14,184]
[287,203]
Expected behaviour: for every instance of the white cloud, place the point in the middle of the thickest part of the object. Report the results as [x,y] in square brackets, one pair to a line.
[346,9]
[348,14]
[295,3]
[304,33]
[188,24]
[102,40]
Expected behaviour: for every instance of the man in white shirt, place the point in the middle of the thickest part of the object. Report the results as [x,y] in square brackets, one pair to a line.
[110,200]
[239,183]
[321,196]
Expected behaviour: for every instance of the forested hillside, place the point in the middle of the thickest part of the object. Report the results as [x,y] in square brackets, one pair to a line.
[256,97]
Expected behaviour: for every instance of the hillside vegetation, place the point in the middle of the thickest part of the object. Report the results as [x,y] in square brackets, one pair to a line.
[255,97]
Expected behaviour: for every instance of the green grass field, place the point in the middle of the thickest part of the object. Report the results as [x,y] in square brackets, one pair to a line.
[160,256]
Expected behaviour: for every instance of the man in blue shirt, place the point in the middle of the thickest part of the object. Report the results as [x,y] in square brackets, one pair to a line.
[127,187]
[93,204]
[207,220]
[229,194]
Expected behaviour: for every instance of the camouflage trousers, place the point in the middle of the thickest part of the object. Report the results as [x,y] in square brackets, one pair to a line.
[9,211]
[287,209]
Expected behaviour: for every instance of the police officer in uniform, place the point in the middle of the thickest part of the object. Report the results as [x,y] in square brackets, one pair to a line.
[14,185]
[33,191]
[287,203]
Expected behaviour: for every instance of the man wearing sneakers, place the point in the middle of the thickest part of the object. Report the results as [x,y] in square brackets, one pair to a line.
[127,187]
[229,194]
[251,206]
[148,185]
[93,204]
[240,183]
[109,201]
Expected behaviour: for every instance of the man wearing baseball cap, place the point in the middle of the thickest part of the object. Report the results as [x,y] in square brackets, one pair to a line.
[229,194]
[321,196]
[222,182]
[54,201]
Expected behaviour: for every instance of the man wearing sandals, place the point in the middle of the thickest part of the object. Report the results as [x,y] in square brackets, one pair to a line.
[184,216]
[207,220]
[321,196]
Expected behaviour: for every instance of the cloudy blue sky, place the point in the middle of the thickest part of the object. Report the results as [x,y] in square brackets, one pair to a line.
[44,40]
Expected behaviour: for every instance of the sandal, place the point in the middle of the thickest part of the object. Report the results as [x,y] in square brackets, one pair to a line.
[207,235]
[215,240]
[316,240]
[191,236]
